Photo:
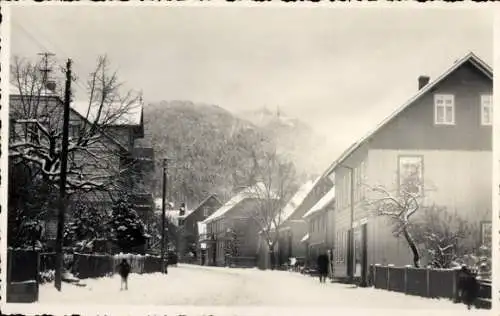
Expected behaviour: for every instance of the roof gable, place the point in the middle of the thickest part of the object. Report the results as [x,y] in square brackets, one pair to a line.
[247,193]
[469,58]
[205,201]
[296,201]
[117,113]
[14,92]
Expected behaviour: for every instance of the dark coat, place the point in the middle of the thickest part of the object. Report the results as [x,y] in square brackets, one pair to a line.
[468,286]
[124,269]
[323,263]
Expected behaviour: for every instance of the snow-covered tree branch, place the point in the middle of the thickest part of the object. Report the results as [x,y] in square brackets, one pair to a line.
[400,207]
[272,182]
[95,159]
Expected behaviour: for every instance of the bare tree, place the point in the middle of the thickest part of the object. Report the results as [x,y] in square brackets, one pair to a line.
[276,183]
[443,235]
[400,207]
[36,127]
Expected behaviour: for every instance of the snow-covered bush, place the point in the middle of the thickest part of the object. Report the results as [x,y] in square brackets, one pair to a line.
[86,224]
[444,236]
[47,276]
[127,229]
[478,261]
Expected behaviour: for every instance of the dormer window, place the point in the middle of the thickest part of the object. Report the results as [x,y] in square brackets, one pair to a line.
[486,109]
[444,109]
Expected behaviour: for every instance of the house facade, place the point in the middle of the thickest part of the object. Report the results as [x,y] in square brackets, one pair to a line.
[190,233]
[441,139]
[231,231]
[31,118]
[292,226]
[320,232]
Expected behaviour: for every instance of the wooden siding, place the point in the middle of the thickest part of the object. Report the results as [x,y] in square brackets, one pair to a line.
[459,180]
[414,128]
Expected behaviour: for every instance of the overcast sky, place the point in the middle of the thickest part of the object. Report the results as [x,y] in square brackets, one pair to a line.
[339,70]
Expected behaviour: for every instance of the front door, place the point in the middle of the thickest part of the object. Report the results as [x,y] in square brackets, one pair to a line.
[360,256]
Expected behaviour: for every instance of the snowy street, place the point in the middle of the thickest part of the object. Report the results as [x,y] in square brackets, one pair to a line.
[205,286]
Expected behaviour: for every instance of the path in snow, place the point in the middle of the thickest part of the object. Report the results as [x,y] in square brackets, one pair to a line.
[196,285]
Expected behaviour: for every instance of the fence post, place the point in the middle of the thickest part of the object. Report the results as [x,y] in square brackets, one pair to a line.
[427,282]
[37,275]
[406,268]
[389,276]
[455,294]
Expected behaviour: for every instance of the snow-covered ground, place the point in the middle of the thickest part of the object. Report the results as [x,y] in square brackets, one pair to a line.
[202,286]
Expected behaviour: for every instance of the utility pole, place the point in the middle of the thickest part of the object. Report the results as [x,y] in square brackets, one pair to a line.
[164,202]
[46,69]
[353,265]
[62,185]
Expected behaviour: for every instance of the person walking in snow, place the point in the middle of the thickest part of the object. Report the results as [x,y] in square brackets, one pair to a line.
[124,271]
[323,267]
[468,287]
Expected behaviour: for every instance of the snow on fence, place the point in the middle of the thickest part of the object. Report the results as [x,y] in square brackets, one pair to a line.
[91,266]
[25,265]
[432,283]
[94,266]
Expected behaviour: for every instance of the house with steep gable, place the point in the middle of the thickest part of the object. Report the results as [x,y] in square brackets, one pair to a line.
[442,137]
[231,230]
[190,233]
[32,117]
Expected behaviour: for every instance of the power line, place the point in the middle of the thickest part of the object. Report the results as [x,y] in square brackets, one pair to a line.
[77,81]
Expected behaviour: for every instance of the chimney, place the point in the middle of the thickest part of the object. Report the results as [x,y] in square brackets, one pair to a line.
[423,81]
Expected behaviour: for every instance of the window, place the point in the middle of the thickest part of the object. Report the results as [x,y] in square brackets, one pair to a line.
[486,233]
[12,130]
[74,129]
[411,174]
[348,188]
[486,109]
[336,247]
[205,211]
[355,173]
[31,132]
[444,109]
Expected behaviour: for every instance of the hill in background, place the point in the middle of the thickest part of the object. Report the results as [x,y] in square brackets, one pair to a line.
[212,147]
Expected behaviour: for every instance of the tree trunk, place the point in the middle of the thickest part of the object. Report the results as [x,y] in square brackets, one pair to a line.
[272,259]
[413,247]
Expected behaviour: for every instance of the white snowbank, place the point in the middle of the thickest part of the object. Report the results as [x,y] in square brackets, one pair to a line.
[208,286]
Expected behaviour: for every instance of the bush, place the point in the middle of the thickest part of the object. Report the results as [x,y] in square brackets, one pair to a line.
[47,276]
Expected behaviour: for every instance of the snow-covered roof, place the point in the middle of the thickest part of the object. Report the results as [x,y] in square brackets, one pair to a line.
[118,114]
[322,203]
[295,201]
[14,90]
[115,114]
[250,192]
[470,57]
[205,200]
[305,238]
